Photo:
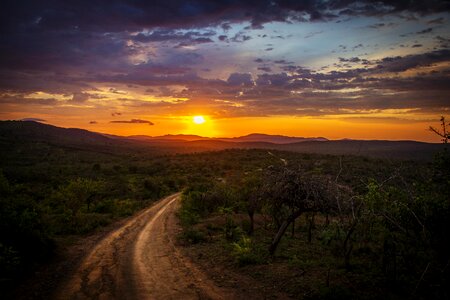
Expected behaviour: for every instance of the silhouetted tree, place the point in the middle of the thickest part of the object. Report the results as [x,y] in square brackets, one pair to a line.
[444,134]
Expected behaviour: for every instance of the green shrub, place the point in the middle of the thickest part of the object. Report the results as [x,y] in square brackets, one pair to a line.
[232,231]
[244,253]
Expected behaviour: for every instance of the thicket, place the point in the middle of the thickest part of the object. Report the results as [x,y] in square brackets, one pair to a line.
[383,224]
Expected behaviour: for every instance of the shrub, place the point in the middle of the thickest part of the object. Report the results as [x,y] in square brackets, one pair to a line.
[244,253]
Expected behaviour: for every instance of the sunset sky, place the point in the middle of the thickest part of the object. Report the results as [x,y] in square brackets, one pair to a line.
[336,68]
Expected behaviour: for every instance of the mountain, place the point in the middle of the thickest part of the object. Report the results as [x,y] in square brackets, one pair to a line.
[35,131]
[275,139]
[254,137]
[169,137]
[26,132]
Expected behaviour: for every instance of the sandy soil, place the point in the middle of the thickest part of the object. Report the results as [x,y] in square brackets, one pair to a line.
[140,260]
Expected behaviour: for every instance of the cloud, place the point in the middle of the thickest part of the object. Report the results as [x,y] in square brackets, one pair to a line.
[133,121]
[436,21]
[93,122]
[80,97]
[428,30]
[240,79]
[164,35]
[33,120]
[314,33]
[265,69]
[382,25]
[23,100]
[240,38]
[59,47]
[125,15]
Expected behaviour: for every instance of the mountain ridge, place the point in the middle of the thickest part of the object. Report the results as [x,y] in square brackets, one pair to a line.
[28,131]
[252,137]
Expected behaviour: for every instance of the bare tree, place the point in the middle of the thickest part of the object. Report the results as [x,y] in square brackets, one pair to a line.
[292,193]
[445,135]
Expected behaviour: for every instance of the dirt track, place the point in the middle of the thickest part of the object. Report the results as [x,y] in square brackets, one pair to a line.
[140,261]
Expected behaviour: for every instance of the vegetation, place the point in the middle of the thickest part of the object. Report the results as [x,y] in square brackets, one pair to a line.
[315,226]
[365,228]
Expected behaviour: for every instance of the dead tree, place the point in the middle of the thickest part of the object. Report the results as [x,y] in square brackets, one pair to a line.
[444,134]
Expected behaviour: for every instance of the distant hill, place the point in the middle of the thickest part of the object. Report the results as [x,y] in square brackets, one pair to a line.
[254,137]
[35,131]
[275,139]
[373,148]
[28,131]
[169,137]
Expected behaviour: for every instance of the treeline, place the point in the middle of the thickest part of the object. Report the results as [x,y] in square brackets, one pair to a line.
[382,226]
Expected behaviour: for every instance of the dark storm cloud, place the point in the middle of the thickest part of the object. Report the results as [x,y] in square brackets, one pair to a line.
[91,35]
[123,15]
[134,121]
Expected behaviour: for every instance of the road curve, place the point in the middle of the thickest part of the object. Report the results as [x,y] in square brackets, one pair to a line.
[140,261]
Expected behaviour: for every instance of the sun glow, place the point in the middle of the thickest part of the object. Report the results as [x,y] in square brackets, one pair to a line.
[198,119]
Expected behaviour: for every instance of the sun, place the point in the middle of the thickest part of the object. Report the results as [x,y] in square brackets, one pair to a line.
[198,119]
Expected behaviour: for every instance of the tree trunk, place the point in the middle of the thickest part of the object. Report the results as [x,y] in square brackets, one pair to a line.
[252,222]
[310,228]
[293,229]
[276,240]
[347,245]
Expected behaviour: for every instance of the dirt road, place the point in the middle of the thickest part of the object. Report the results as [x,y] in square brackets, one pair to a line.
[140,261]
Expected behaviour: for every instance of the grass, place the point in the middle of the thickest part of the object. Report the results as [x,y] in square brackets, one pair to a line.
[300,269]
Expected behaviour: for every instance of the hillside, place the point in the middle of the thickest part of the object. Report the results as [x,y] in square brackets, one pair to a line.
[21,131]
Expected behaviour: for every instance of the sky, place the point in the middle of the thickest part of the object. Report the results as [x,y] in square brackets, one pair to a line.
[331,68]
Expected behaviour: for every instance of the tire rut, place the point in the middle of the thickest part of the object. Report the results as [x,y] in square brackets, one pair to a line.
[140,260]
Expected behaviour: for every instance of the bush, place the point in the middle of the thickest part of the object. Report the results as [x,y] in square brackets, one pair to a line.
[244,253]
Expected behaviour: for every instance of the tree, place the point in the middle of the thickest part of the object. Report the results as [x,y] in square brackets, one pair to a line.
[79,192]
[251,198]
[290,194]
[444,134]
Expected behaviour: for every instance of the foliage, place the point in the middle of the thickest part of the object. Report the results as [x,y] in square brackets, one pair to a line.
[244,252]
[385,221]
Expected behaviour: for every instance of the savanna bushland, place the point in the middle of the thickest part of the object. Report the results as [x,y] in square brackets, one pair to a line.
[312,226]
[326,227]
